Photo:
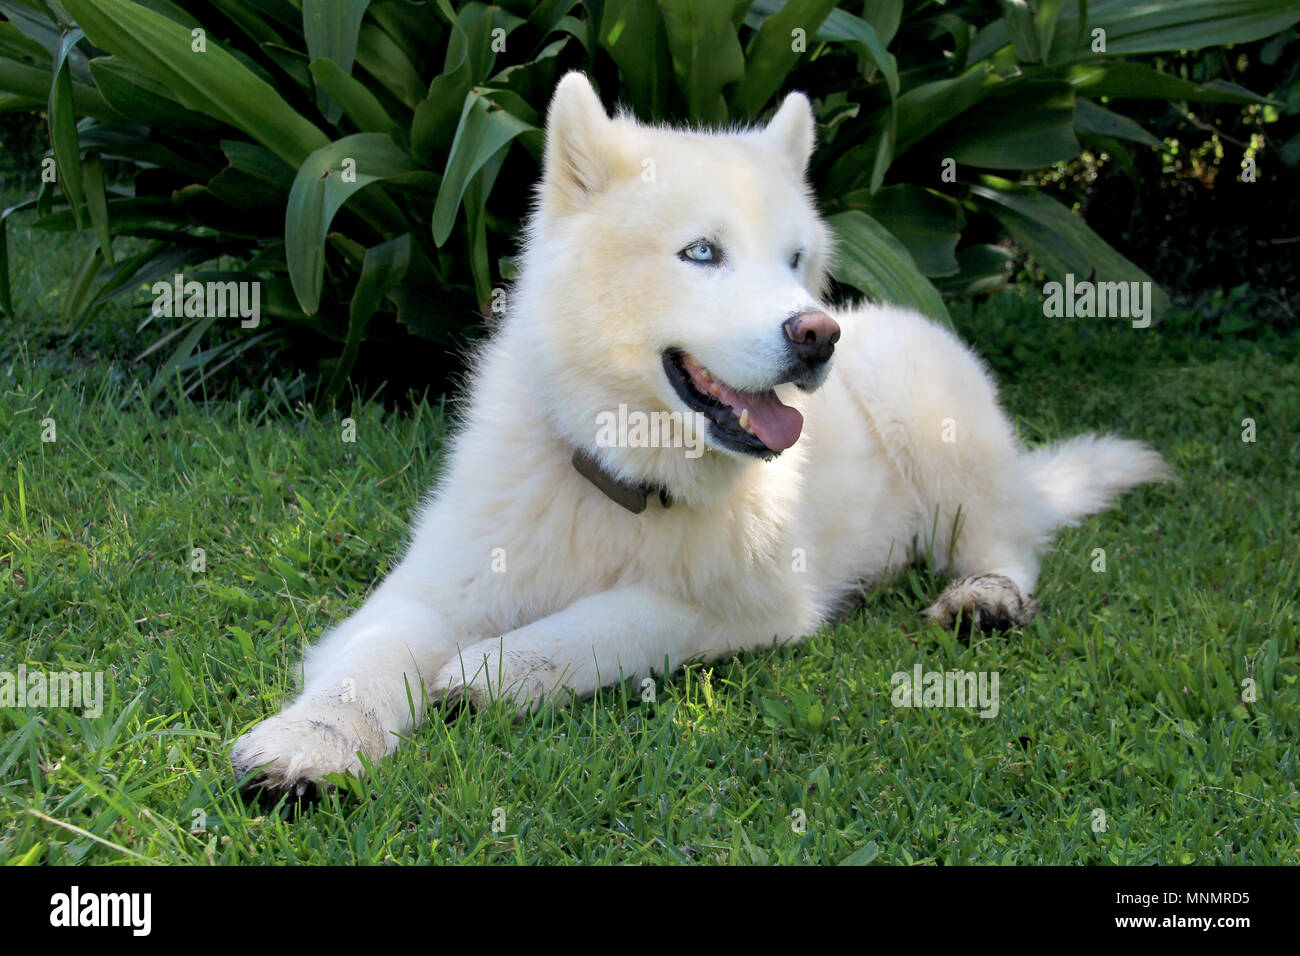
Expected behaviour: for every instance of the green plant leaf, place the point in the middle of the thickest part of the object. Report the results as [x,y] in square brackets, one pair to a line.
[38,22]
[162,259]
[535,79]
[353,99]
[70,306]
[331,29]
[380,56]
[1060,242]
[484,129]
[874,262]
[884,17]
[1139,81]
[14,43]
[1025,126]
[293,63]
[414,27]
[6,294]
[474,33]
[383,267]
[959,31]
[124,141]
[706,54]
[434,125]
[1098,121]
[255,26]
[480,187]
[547,17]
[1046,15]
[981,268]
[923,109]
[63,126]
[260,162]
[1138,28]
[633,33]
[860,36]
[92,174]
[772,52]
[211,82]
[926,222]
[193,332]
[328,178]
[135,93]
[1131,28]
[33,84]
[1018,18]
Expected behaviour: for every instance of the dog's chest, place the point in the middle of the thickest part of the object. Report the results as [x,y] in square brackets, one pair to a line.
[557,539]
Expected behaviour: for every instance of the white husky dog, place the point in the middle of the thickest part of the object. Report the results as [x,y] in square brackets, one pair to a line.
[679,273]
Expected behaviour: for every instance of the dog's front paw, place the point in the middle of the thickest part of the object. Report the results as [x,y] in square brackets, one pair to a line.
[482,673]
[295,749]
[982,602]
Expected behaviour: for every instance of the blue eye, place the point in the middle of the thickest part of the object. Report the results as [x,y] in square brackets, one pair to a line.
[795,260]
[701,251]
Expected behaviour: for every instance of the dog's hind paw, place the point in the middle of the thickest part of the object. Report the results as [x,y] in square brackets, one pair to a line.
[982,602]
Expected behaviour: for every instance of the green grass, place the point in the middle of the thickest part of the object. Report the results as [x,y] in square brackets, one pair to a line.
[1124,696]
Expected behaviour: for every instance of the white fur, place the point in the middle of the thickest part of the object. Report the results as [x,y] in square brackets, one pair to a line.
[750,552]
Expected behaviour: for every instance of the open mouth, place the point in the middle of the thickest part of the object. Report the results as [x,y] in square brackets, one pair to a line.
[755,423]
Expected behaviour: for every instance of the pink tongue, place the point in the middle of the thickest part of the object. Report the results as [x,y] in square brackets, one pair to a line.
[777,426]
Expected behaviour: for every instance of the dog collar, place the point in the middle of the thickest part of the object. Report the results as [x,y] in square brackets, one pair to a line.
[625,493]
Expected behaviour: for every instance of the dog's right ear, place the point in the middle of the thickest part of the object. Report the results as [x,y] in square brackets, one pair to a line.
[577,163]
[793,130]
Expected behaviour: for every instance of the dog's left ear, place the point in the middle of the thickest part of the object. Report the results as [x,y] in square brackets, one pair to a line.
[793,130]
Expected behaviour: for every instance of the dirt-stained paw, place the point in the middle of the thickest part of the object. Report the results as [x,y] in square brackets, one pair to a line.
[982,602]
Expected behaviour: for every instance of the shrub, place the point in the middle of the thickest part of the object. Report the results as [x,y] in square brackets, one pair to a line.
[1216,207]
[370,162]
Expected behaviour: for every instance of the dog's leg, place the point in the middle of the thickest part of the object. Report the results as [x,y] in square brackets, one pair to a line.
[364,684]
[623,633]
[991,526]
[993,561]
[935,409]
[989,537]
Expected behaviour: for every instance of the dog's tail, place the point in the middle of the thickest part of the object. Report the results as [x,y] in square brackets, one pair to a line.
[1081,475]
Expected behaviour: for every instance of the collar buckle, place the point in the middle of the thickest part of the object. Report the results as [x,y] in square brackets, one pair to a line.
[624,493]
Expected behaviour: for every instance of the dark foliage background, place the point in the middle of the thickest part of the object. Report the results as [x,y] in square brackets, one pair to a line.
[1227,246]
[227,163]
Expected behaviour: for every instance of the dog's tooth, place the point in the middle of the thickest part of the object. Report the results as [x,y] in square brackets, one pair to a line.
[704,374]
[744,419]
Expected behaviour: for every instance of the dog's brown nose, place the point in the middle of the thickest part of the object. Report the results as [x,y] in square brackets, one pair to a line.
[812,336]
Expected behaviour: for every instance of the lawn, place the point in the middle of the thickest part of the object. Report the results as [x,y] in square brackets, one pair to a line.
[1122,735]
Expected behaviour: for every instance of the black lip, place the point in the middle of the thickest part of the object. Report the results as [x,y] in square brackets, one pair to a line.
[808,383]
[807,378]
[723,426]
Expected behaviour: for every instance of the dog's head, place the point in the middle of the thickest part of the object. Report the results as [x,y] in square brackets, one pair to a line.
[679,271]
